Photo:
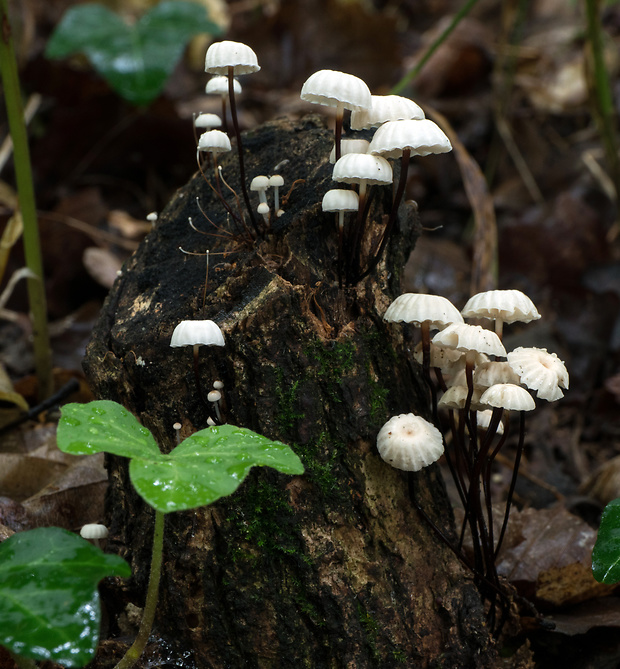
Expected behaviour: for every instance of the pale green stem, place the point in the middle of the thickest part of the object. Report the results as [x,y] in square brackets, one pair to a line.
[27,206]
[148,615]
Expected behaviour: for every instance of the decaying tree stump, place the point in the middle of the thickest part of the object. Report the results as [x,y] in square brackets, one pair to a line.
[333,568]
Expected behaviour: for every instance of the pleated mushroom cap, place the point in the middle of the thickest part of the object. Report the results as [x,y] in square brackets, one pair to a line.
[540,371]
[418,307]
[339,199]
[349,146]
[356,168]
[508,396]
[222,55]
[191,333]
[456,396]
[464,337]
[487,374]
[208,121]
[214,141]
[333,89]
[218,85]
[420,137]
[444,358]
[409,442]
[509,305]
[385,108]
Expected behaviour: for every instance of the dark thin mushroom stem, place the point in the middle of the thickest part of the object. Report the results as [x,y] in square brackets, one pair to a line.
[233,113]
[338,130]
[208,406]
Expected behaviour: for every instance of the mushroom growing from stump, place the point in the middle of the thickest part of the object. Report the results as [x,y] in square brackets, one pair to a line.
[501,306]
[385,108]
[218,85]
[229,59]
[339,90]
[340,200]
[196,334]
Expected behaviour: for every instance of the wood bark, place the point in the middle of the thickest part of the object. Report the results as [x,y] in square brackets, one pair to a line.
[330,569]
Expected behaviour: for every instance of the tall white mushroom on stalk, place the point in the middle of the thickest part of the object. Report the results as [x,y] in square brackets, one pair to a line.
[213,142]
[364,170]
[403,139]
[501,306]
[218,85]
[204,122]
[228,59]
[349,146]
[339,90]
[196,334]
[340,201]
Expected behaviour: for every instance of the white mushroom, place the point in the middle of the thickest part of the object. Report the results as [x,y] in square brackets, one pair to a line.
[409,442]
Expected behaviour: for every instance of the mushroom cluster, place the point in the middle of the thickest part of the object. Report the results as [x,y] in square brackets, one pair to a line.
[482,388]
[402,132]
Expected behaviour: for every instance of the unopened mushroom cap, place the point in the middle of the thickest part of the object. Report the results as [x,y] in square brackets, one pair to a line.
[214,141]
[487,374]
[218,85]
[94,531]
[208,121]
[509,305]
[420,137]
[263,208]
[349,146]
[541,371]
[464,337]
[276,181]
[338,199]
[259,183]
[191,333]
[214,396]
[222,55]
[332,88]
[357,167]
[508,396]
[385,108]
[483,420]
[409,442]
[418,307]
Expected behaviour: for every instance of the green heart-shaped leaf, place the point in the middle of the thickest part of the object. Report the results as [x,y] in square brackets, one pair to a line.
[208,465]
[606,552]
[49,604]
[103,425]
[137,59]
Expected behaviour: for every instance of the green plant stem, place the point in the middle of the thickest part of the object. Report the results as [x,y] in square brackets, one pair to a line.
[152,595]
[413,73]
[603,98]
[27,206]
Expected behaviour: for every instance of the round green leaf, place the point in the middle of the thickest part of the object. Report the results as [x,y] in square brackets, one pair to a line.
[103,426]
[208,465]
[606,552]
[49,604]
[137,59]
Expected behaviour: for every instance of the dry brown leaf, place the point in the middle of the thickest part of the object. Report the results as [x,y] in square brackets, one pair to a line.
[604,483]
[24,475]
[102,265]
[581,618]
[128,226]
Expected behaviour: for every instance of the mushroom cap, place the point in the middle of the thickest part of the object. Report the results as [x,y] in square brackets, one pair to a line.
[259,183]
[94,531]
[421,137]
[409,442]
[540,371]
[509,305]
[487,374]
[276,180]
[385,108]
[333,89]
[508,396]
[355,168]
[214,141]
[222,55]
[456,397]
[483,420]
[263,208]
[207,121]
[191,333]
[349,146]
[444,358]
[418,307]
[464,337]
[338,199]
[218,85]
[214,396]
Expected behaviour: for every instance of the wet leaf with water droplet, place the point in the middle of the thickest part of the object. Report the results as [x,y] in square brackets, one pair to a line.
[49,604]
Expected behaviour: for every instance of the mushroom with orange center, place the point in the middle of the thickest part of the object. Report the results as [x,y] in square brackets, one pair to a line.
[339,90]
[541,371]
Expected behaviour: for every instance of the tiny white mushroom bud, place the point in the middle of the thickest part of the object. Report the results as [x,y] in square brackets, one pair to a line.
[94,532]
[218,385]
[214,396]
